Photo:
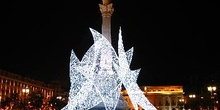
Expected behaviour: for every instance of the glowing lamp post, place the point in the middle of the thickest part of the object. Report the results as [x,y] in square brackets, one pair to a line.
[26,91]
[192,96]
[192,100]
[59,97]
[181,101]
[212,89]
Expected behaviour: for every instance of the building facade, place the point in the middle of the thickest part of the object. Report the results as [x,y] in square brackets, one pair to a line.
[162,97]
[11,83]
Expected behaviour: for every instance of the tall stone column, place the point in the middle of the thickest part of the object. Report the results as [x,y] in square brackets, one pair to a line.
[107,10]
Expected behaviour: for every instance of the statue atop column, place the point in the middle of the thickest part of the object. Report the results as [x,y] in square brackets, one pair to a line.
[106,10]
[96,80]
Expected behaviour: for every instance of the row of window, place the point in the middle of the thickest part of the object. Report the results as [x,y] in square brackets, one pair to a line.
[9,86]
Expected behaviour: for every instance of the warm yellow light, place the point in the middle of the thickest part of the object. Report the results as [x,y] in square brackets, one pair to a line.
[165,92]
[211,88]
[26,90]
[59,97]
[181,100]
[23,90]
[214,88]
[192,96]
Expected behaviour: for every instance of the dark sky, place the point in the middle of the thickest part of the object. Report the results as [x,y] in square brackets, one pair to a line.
[172,40]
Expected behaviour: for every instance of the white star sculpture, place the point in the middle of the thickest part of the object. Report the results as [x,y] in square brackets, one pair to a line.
[98,77]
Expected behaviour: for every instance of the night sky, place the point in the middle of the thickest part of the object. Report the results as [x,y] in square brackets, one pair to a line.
[173,40]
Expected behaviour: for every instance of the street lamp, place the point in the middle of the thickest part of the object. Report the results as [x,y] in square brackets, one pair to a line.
[181,101]
[25,91]
[212,89]
[192,96]
[59,97]
[192,101]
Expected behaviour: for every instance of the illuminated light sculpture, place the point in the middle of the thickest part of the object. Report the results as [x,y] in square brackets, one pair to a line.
[99,76]
[129,78]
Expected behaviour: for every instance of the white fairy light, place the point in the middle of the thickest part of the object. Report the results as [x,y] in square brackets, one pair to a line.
[98,77]
[129,78]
